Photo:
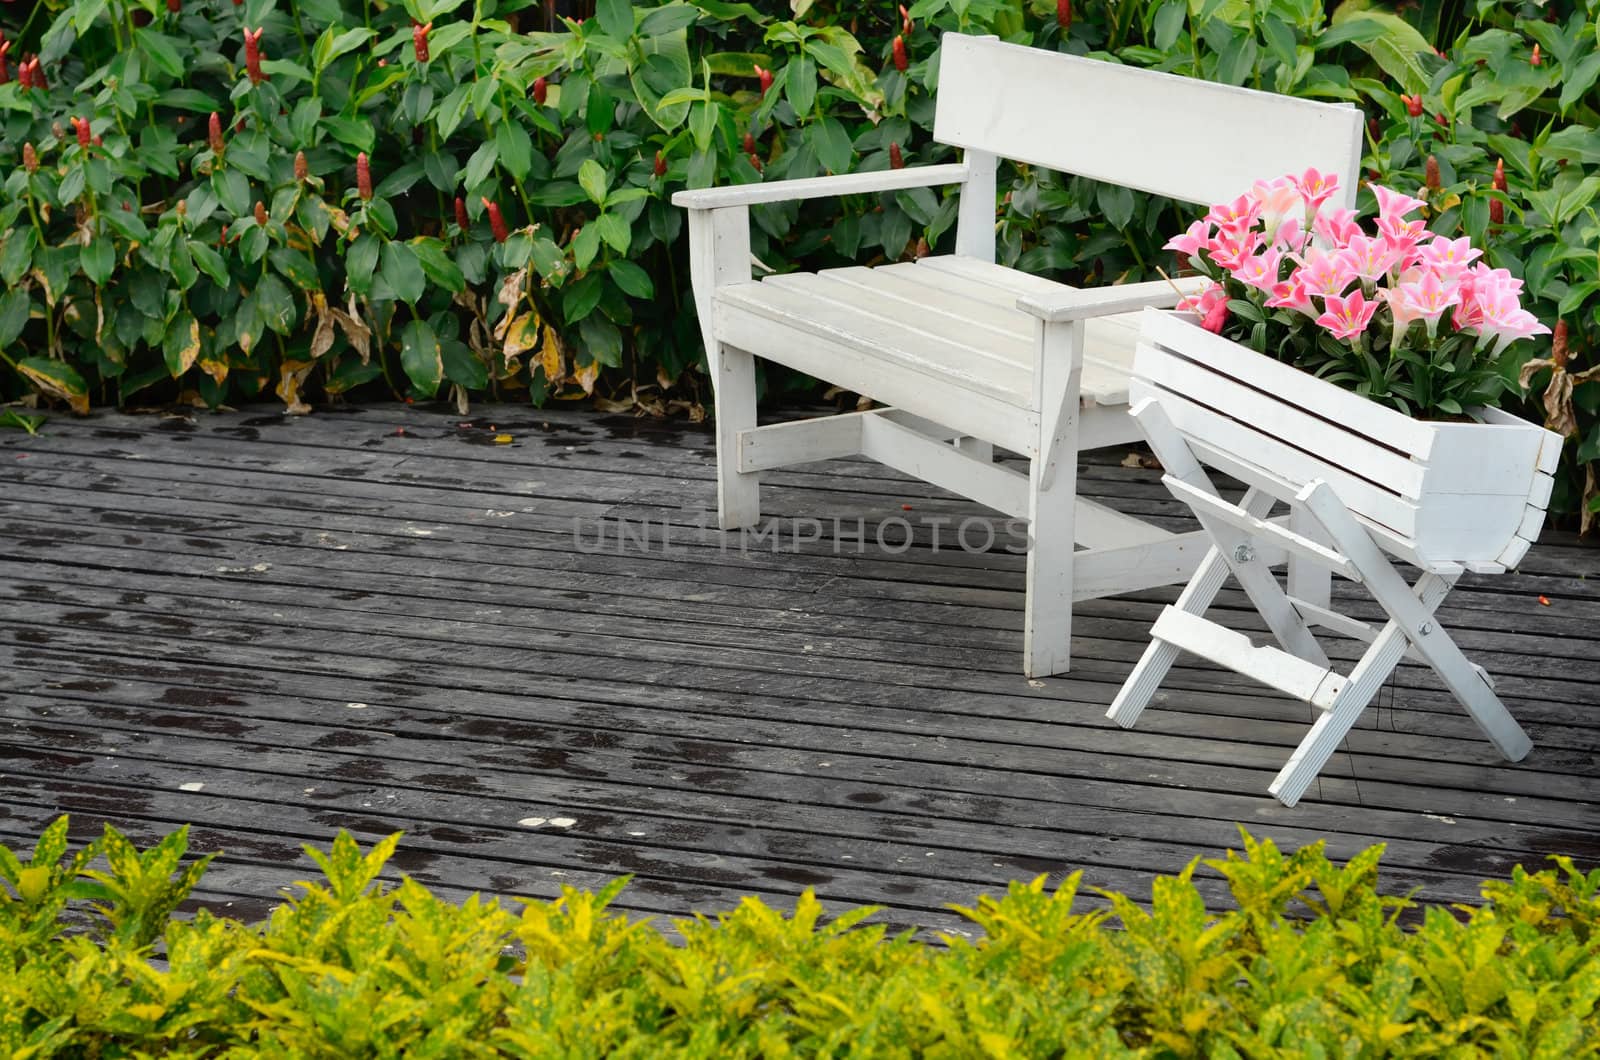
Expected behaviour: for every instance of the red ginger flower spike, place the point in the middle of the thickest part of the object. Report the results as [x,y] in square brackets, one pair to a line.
[1064,14]
[541,90]
[30,158]
[5,63]
[261,213]
[252,56]
[896,159]
[1558,344]
[755,160]
[906,24]
[214,136]
[900,60]
[81,127]
[302,168]
[1497,212]
[1413,105]
[1431,173]
[461,215]
[765,76]
[661,164]
[38,76]
[419,40]
[1500,174]
[1537,59]
[749,143]
[497,223]
[363,176]
[174,6]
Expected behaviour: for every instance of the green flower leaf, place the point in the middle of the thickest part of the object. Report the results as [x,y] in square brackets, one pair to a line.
[420,354]
[98,259]
[403,272]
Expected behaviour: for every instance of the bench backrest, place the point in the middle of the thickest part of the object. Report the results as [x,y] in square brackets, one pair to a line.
[1180,137]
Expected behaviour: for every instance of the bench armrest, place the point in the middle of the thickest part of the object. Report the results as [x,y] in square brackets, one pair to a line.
[819,187]
[1072,303]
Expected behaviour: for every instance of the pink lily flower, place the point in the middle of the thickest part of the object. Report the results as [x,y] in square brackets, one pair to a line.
[1394,203]
[1403,237]
[1504,320]
[1197,238]
[1259,270]
[1336,227]
[1231,247]
[1449,256]
[1290,236]
[1369,258]
[1316,188]
[1241,213]
[1325,274]
[1203,302]
[1291,294]
[1428,298]
[1348,316]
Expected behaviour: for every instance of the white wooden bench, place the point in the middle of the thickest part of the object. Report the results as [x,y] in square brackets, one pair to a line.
[968,354]
[1370,483]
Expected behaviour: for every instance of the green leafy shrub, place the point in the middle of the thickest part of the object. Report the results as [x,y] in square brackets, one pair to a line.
[1313,961]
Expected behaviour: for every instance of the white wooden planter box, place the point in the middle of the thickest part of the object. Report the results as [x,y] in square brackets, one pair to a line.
[1435,494]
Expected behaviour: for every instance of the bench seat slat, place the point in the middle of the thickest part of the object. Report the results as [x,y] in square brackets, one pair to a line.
[922,310]
[1108,341]
[884,339]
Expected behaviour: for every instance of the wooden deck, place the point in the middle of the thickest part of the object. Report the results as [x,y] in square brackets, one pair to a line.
[382,620]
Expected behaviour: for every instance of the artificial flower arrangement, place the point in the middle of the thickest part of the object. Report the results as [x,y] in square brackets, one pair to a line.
[1405,317]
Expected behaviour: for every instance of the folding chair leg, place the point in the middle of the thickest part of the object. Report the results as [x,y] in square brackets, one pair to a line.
[1306,580]
[1159,655]
[1329,730]
[1415,615]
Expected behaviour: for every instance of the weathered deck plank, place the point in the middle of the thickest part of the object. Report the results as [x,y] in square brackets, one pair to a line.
[201,601]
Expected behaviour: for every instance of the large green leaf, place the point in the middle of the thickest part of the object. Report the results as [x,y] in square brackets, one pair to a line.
[275,303]
[16,254]
[616,17]
[98,259]
[403,272]
[1396,46]
[181,346]
[660,77]
[14,310]
[421,356]
[436,263]
[516,149]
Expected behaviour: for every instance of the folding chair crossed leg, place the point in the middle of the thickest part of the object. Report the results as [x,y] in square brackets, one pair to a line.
[1299,667]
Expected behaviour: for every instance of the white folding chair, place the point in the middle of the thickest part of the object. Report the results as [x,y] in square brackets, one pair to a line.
[1247,416]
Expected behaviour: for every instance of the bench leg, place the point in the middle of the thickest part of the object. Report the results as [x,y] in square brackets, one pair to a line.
[734,383]
[719,254]
[1047,611]
[1053,502]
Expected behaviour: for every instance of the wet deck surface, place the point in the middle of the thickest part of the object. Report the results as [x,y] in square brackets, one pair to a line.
[385,620]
